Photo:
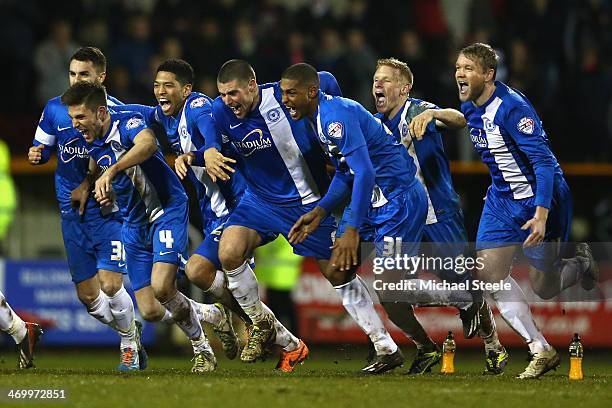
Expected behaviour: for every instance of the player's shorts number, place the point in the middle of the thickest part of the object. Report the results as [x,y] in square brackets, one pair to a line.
[165,237]
[392,246]
[118,253]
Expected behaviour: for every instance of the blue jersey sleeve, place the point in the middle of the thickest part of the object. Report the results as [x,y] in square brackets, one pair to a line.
[526,129]
[339,189]
[363,184]
[148,112]
[205,123]
[329,84]
[131,128]
[46,131]
[216,139]
[346,127]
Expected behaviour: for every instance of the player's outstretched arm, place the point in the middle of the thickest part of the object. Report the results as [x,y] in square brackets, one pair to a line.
[345,249]
[216,164]
[182,163]
[447,118]
[306,224]
[537,227]
[145,145]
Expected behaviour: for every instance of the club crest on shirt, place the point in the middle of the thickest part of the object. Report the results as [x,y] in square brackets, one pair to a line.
[273,115]
[404,130]
[116,146]
[198,102]
[334,130]
[526,125]
[488,125]
[133,123]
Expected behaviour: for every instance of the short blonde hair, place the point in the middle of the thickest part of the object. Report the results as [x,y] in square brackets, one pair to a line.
[402,67]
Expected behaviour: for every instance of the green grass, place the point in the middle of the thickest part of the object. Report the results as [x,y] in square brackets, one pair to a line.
[330,378]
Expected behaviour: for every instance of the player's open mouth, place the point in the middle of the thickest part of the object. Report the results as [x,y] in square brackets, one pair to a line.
[463,87]
[380,99]
[292,111]
[84,132]
[165,104]
[236,109]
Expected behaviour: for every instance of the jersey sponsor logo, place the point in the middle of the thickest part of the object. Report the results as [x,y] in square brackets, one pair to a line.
[198,102]
[133,123]
[61,129]
[235,126]
[71,149]
[334,130]
[274,115]
[253,141]
[526,125]
[478,138]
[105,162]
[117,146]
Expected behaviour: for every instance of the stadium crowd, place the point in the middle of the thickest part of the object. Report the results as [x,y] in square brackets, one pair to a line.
[552,51]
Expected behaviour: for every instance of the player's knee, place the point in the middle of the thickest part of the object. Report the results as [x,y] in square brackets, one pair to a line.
[200,272]
[163,292]
[231,256]
[87,298]
[110,287]
[545,292]
[151,314]
[335,276]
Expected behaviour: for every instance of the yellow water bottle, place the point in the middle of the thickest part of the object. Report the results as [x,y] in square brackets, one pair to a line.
[576,352]
[448,354]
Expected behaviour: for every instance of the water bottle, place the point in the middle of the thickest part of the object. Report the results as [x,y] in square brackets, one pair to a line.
[448,354]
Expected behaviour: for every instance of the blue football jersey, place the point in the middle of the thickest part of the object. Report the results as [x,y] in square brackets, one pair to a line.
[55,131]
[281,159]
[143,192]
[187,132]
[343,126]
[508,134]
[432,168]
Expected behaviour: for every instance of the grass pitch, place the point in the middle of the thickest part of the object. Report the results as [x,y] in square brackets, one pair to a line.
[329,378]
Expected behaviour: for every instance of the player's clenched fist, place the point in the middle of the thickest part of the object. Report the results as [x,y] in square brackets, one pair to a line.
[35,154]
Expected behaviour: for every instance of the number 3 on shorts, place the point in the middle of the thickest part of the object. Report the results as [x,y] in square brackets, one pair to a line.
[165,237]
[118,253]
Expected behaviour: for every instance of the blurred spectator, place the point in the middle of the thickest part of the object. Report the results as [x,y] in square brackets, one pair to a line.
[552,50]
[134,50]
[208,50]
[361,60]
[8,195]
[51,61]
[95,33]
[330,57]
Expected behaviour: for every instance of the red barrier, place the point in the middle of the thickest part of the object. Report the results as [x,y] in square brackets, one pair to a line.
[322,318]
